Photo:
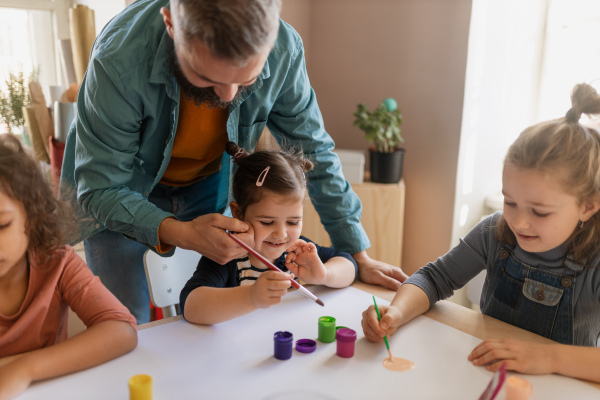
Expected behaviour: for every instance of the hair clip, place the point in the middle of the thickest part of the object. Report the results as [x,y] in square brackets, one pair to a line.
[262,176]
[239,153]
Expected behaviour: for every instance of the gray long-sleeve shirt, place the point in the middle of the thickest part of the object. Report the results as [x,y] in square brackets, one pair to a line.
[477,251]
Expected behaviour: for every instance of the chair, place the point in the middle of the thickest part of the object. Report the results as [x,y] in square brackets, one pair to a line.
[474,288]
[167,276]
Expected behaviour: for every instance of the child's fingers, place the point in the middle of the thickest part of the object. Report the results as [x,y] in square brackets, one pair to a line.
[277,279]
[277,292]
[292,267]
[297,245]
[386,321]
[367,329]
[495,366]
[482,348]
[291,257]
[311,247]
[370,316]
[490,351]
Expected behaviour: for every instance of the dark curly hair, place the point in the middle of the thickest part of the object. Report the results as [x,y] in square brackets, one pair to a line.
[47,219]
[286,174]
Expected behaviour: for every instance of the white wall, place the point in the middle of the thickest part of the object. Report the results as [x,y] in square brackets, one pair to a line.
[362,51]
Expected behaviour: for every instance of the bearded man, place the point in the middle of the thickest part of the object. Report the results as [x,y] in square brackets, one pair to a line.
[168,84]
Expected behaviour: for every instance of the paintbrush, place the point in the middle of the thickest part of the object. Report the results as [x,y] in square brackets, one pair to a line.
[270,265]
[385,337]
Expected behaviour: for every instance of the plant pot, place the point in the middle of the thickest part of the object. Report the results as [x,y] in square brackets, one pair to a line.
[386,167]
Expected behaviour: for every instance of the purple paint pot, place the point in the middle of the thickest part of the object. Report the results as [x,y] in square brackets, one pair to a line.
[283,345]
[306,345]
[346,338]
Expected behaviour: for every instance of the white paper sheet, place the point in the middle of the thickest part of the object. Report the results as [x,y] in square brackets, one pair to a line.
[235,360]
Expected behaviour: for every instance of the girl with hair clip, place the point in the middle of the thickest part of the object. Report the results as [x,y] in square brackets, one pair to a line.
[40,279]
[542,254]
[269,188]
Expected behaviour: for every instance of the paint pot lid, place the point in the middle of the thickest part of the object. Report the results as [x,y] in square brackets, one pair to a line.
[283,336]
[326,321]
[345,335]
[306,345]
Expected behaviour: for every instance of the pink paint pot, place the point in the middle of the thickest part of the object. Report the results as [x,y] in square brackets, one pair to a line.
[345,338]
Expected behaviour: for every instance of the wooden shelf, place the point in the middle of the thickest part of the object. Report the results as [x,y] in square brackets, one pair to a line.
[382,218]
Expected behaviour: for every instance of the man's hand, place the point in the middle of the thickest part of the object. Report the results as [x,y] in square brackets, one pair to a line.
[207,235]
[378,273]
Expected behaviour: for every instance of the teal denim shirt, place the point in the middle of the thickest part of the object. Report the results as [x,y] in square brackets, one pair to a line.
[120,143]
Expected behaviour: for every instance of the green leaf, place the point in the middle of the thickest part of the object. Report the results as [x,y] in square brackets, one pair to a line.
[381,126]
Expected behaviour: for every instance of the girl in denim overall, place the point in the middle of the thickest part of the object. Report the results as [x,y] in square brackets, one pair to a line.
[541,254]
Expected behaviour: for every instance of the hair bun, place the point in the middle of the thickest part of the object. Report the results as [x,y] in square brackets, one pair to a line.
[584,100]
[573,115]
[235,151]
[308,165]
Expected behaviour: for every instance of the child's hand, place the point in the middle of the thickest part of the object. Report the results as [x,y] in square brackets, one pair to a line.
[303,261]
[375,330]
[13,380]
[269,288]
[520,356]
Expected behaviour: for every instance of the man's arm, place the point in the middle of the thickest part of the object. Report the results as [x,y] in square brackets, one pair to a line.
[297,120]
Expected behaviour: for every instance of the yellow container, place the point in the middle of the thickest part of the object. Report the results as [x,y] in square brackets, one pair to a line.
[140,387]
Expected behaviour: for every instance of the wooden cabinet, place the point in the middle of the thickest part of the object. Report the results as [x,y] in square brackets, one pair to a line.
[382,218]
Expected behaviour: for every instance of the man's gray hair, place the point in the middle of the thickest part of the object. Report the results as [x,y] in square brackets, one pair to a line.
[233,30]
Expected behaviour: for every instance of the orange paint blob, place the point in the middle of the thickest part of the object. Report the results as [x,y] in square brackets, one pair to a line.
[398,364]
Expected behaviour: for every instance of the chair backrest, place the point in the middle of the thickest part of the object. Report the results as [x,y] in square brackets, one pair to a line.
[167,275]
[475,286]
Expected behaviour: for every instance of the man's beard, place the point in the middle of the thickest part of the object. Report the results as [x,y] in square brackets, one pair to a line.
[201,96]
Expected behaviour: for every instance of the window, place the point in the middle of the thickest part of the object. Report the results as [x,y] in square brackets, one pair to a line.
[26,42]
[571,56]
[524,59]
[29,30]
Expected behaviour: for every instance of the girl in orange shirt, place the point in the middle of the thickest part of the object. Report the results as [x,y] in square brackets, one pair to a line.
[40,279]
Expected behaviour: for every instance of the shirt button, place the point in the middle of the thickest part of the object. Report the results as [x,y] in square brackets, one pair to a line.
[97,226]
[566,281]
[504,254]
[540,294]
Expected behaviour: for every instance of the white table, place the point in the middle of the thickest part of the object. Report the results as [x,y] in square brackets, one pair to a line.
[235,359]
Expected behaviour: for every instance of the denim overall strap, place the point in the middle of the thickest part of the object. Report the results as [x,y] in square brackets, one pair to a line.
[534,299]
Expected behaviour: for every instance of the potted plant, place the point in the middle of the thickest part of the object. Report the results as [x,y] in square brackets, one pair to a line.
[13,97]
[382,129]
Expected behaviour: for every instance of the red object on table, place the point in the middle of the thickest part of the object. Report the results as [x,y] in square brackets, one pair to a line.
[155,313]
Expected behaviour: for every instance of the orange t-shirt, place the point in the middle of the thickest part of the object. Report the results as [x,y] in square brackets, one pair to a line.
[199,143]
[54,287]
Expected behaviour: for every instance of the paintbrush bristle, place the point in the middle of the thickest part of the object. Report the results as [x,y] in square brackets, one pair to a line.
[319,302]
